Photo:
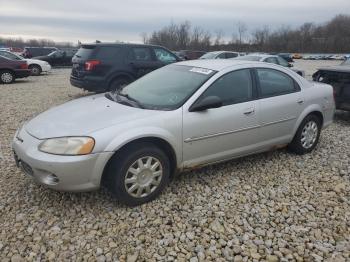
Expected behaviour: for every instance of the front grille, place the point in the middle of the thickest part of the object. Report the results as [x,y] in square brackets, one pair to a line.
[26,168]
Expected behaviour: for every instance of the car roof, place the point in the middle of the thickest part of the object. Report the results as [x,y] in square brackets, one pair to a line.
[215,64]
[119,44]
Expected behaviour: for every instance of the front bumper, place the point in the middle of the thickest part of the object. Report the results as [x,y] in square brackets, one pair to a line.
[62,173]
[45,68]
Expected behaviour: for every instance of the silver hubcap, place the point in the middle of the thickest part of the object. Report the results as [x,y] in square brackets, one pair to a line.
[35,70]
[143,177]
[309,134]
[6,77]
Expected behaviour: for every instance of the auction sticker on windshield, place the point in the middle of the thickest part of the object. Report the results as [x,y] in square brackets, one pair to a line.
[203,71]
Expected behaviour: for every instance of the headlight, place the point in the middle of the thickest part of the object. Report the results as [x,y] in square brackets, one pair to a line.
[68,145]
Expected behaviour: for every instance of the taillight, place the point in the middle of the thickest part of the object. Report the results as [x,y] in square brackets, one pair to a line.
[23,66]
[91,64]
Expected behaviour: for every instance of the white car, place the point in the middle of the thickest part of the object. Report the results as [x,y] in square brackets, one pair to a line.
[179,117]
[220,55]
[36,66]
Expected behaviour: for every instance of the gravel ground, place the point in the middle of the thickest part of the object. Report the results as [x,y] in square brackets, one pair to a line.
[274,206]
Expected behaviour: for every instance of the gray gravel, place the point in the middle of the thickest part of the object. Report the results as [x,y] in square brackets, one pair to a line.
[274,206]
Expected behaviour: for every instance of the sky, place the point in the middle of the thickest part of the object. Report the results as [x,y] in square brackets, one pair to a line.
[111,20]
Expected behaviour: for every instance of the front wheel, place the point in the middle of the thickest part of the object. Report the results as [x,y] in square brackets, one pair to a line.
[35,70]
[138,174]
[307,135]
[7,77]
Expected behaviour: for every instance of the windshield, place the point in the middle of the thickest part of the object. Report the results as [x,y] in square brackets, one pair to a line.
[249,58]
[10,55]
[210,55]
[166,88]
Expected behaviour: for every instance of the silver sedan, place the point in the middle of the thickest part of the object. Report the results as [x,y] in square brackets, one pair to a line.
[181,116]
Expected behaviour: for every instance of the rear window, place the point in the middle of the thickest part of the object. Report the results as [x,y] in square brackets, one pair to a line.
[85,52]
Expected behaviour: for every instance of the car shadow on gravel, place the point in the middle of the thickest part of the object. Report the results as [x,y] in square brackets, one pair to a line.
[342,116]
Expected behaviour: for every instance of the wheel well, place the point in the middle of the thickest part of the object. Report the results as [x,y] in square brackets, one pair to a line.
[31,65]
[120,76]
[161,143]
[319,115]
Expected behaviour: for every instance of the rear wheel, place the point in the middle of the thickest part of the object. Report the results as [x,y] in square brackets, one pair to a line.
[138,174]
[7,77]
[35,70]
[119,83]
[307,135]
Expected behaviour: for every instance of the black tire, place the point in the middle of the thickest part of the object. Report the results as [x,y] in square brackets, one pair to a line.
[35,70]
[118,172]
[7,77]
[118,83]
[304,142]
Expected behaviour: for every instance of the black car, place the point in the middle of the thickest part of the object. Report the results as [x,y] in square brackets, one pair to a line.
[30,52]
[103,67]
[339,78]
[59,57]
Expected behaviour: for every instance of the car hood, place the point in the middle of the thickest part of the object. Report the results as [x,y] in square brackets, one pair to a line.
[339,68]
[83,116]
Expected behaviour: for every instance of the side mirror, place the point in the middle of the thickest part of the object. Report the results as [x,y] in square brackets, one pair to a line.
[206,103]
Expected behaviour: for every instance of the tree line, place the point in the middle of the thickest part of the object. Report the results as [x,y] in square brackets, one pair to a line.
[20,42]
[330,37]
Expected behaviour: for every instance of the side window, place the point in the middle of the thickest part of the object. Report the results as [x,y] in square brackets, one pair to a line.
[234,87]
[141,54]
[272,60]
[231,55]
[109,53]
[221,56]
[282,62]
[274,83]
[164,56]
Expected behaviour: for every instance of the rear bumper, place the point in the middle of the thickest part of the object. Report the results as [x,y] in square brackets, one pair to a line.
[62,173]
[21,73]
[90,84]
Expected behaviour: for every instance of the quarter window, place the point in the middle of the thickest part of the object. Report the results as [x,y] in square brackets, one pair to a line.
[234,87]
[164,56]
[273,82]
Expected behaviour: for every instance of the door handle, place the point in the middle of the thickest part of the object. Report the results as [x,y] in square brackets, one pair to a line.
[300,101]
[249,111]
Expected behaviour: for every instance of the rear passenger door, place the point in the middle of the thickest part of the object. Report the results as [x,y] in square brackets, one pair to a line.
[111,58]
[142,60]
[280,104]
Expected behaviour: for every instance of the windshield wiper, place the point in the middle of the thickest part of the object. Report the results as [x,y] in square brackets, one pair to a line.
[139,104]
[115,96]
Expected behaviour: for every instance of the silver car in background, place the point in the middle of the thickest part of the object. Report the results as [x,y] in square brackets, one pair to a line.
[273,59]
[181,116]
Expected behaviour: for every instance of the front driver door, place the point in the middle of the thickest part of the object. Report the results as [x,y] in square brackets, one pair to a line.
[222,133]
[143,61]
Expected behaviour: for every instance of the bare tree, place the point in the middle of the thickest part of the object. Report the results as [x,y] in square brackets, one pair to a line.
[242,29]
[219,34]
